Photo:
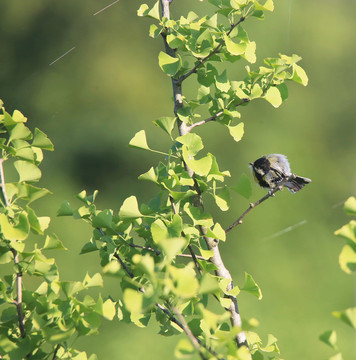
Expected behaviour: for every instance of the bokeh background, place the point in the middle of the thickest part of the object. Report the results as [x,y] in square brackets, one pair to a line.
[93,100]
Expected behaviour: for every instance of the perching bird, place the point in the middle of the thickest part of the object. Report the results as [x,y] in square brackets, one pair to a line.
[271,169]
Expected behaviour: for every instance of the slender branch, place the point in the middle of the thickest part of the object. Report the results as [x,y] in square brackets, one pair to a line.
[148,248]
[128,271]
[211,243]
[157,252]
[258,202]
[213,117]
[222,271]
[216,50]
[18,301]
[55,352]
[189,333]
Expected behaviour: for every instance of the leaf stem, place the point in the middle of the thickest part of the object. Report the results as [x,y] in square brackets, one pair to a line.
[216,115]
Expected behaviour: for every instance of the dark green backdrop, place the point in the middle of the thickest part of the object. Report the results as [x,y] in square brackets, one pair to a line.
[93,100]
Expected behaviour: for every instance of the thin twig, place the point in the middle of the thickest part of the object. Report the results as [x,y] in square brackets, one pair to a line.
[55,352]
[148,248]
[189,333]
[213,117]
[128,271]
[258,202]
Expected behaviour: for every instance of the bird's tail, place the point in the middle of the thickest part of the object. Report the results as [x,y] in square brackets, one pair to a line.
[296,184]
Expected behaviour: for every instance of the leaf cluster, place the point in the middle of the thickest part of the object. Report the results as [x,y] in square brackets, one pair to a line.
[36,322]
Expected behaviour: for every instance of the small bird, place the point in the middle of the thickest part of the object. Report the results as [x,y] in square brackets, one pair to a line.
[271,169]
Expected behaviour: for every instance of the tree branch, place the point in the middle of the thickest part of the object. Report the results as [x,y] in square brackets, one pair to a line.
[258,202]
[18,301]
[189,333]
[211,243]
[55,352]
[213,117]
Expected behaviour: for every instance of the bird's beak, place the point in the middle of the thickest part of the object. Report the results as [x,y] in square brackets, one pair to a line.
[251,164]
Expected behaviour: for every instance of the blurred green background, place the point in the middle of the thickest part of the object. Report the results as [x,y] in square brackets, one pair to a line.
[93,100]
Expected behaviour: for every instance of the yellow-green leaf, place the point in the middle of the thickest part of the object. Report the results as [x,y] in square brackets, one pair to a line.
[129,209]
[237,131]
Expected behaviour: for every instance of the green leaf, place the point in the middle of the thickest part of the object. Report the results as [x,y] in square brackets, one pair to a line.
[348,316]
[129,209]
[268,5]
[348,231]
[217,232]
[5,255]
[166,123]
[233,48]
[273,96]
[237,132]
[184,349]
[208,284]
[139,141]
[89,247]
[18,230]
[41,141]
[198,216]
[299,75]
[250,52]
[347,259]
[20,132]
[30,193]
[192,141]
[172,246]
[95,281]
[185,283]
[222,82]
[133,300]
[350,206]
[251,286]
[103,219]
[243,186]
[201,166]
[271,345]
[152,13]
[150,175]
[109,310]
[223,199]
[38,224]
[55,335]
[53,243]
[169,65]
[329,338]
[65,209]
[27,171]
[154,31]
